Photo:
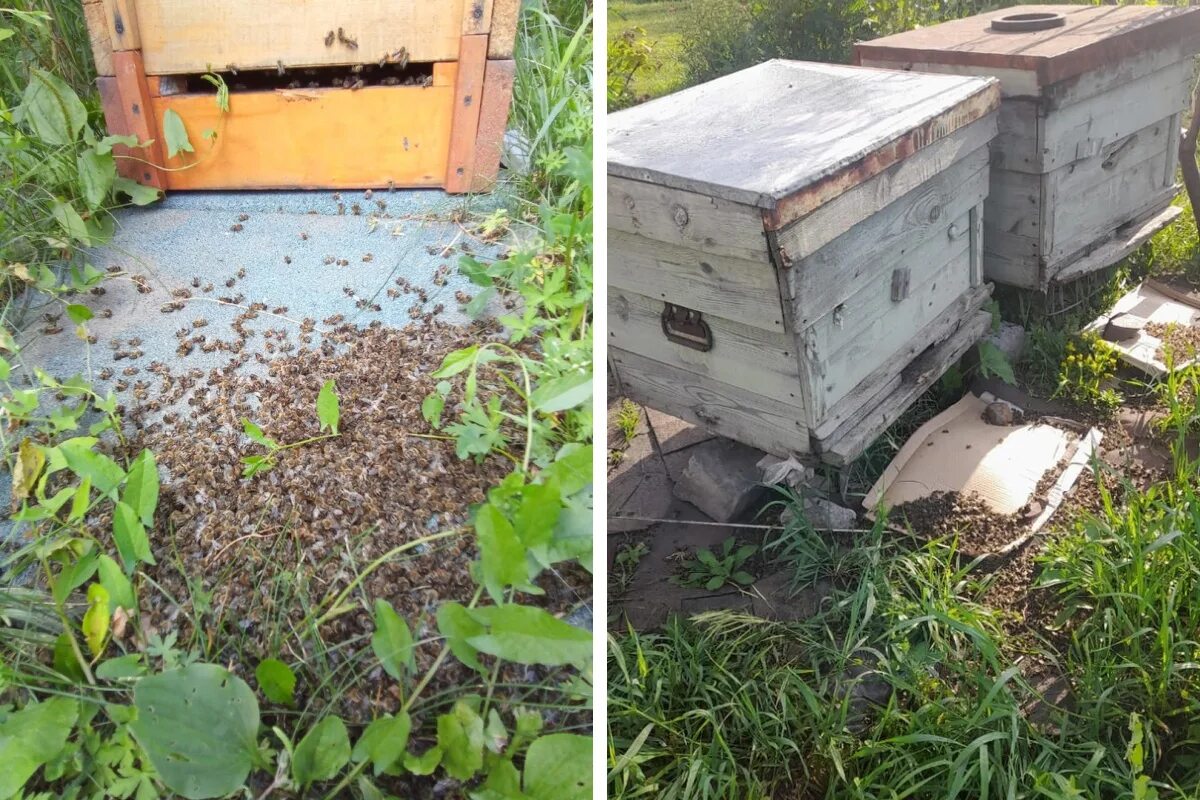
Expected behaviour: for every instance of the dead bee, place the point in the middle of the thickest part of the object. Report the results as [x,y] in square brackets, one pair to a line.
[241,273]
[287,259]
[98,290]
[196,282]
[368,194]
[303,236]
[135,342]
[356,85]
[356,209]
[229,283]
[106,313]
[439,308]
[343,262]
[122,385]
[105,374]
[168,308]
[199,323]
[130,371]
[208,287]
[346,290]
[346,40]
[393,293]
[181,294]
[329,260]
[341,208]
[280,310]
[50,330]
[236,227]
[463,297]
[329,37]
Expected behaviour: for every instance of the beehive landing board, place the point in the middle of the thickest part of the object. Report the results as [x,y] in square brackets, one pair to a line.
[762,135]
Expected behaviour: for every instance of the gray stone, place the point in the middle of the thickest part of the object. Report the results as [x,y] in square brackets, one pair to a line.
[1009,340]
[674,434]
[998,413]
[721,479]
[826,515]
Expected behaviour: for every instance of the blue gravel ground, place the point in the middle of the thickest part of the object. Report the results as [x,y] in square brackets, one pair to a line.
[189,236]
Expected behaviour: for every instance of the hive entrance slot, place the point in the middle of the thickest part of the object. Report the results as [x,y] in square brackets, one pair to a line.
[1030,21]
[336,77]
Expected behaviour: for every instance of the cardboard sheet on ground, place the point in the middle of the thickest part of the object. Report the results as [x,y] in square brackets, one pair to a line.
[957,451]
[1151,302]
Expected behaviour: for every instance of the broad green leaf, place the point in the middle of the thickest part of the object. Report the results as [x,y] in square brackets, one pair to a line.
[256,435]
[559,767]
[64,659]
[992,361]
[114,580]
[121,668]
[572,468]
[383,742]
[132,542]
[97,171]
[51,109]
[328,412]
[81,501]
[538,513]
[563,392]
[85,462]
[425,763]
[74,574]
[31,737]
[322,753]
[175,133]
[460,737]
[96,618]
[530,635]
[79,313]
[105,145]
[69,220]
[28,466]
[431,409]
[457,626]
[277,681]
[138,195]
[141,487]
[500,551]
[198,724]
[392,641]
[457,361]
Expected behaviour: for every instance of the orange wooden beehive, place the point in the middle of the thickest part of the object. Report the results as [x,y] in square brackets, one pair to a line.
[323,93]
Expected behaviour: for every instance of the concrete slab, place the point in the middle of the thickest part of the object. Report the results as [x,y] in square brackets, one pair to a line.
[674,434]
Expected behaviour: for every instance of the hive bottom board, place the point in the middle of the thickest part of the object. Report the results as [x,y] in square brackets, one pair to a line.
[774,426]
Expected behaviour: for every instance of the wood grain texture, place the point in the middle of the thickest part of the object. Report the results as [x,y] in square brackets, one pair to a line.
[1013,82]
[870,249]
[123,29]
[740,355]
[727,410]
[374,137]
[1128,238]
[1092,37]
[806,236]
[493,121]
[139,118]
[116,124]
[734,289]
[190,36]
[96,18]
[505,18]
[790,131]
[877,415]
[685,219]
[468,102]
[477,16]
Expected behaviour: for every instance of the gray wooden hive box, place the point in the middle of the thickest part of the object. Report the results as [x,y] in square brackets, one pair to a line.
[1084,167]
[794,249]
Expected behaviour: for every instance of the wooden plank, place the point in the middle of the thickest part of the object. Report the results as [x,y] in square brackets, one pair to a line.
[505,18]
[835,272]
[842,415]
[385,135]
[123,29]
[116,124]
[1018,145]
[740,355]
[1013,82]
[136,107]
[875,330]
[1092,36]
[468,101]
[191,36]
[727,410]
[1082,130]
[1110,76]
[808,235]
[790,135]
[96,19]
[477,16]
[852,439]
[685,219]
[742,291]
[1128,238]
[493,122]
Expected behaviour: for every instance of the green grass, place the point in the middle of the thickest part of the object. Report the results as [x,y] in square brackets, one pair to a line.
[660,21]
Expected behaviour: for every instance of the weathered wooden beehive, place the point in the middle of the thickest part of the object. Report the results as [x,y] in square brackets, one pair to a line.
[794,249]
[1084,166]
[324,93]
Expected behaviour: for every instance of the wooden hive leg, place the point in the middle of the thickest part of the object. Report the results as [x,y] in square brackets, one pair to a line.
[468,100]
[493,121]
[126,98]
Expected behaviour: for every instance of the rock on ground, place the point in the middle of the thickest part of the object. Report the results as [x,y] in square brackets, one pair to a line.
[721,479]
